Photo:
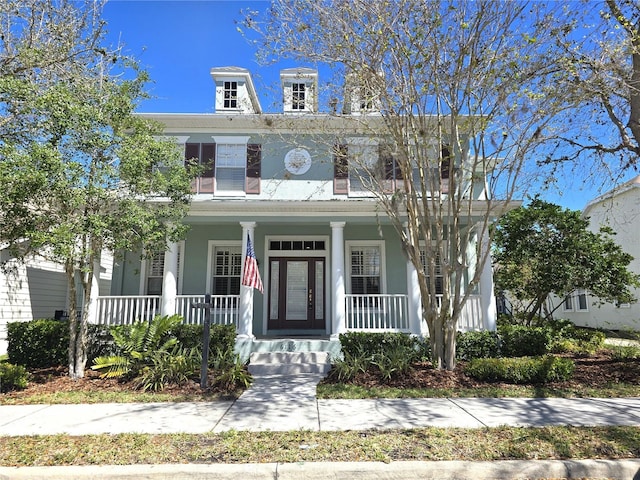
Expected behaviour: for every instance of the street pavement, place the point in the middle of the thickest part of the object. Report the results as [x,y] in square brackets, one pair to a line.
[285,403]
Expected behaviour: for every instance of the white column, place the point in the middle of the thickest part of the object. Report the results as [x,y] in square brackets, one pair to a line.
[413,296]
[487,295]
[245,314]
[338,324]
[170,280]
[92,308]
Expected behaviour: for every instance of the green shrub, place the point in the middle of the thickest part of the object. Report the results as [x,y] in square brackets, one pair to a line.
[567,338]
[484,344]
[624,352]
[370,344]
[12,377]
[222,338]
[349,366]
[176,367]
[39,343]
[136,346]
[521,370]
[521,341]
[234,377]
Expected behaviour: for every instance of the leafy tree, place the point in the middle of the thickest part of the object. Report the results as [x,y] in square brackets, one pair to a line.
[81,173]
[598,48]
[543,249]
[455,91]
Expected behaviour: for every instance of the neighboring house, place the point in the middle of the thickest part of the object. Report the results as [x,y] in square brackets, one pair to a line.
[37,288]
[329,260]
[620,210]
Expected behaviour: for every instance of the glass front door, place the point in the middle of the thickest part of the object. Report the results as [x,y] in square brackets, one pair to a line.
[296,293]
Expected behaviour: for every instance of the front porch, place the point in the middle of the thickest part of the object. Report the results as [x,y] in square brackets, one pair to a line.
[362,313]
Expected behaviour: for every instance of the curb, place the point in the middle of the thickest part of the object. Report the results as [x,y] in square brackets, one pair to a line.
[444,470]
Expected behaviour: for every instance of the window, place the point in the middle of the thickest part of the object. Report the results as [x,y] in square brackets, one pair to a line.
[153,269]
[366,269]
[231,161]
[438,271]
[227,267]
[230,94]
[365,170]
[155,273]
[577,302]
[298,91]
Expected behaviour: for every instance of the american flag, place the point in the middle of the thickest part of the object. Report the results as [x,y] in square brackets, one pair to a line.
[251,275]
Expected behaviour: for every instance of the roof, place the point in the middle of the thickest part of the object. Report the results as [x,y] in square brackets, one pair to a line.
[619,190]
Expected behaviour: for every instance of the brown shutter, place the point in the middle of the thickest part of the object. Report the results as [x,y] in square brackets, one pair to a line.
[385,157]
[340,170]
[191,158]
[445,169]
[207,161]
[254,160]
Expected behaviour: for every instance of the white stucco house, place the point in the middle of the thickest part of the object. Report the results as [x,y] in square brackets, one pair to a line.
[620,210]
[330,262]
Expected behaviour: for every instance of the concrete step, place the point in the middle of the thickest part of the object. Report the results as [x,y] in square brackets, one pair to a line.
[288,363]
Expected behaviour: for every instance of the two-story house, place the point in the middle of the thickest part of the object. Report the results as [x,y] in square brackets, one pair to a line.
[329,260]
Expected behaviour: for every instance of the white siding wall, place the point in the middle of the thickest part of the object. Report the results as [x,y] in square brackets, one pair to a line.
[36,289]
[621,212]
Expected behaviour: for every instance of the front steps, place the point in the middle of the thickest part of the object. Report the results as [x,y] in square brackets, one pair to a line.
[289,363]
[246,346]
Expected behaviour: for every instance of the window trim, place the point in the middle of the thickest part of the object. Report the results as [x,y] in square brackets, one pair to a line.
[211,246]
[349,244]
[145,267]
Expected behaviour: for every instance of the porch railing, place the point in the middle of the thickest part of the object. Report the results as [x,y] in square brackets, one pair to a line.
[124,310]
[224,311]
[381,313]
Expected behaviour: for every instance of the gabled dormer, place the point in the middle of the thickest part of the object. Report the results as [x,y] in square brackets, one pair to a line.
[235,92]
[362,95]
[299,88]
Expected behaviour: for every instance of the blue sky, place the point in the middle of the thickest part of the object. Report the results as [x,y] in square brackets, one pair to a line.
[179,41]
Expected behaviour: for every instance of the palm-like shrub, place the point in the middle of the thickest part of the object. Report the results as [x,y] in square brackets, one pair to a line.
[137,344]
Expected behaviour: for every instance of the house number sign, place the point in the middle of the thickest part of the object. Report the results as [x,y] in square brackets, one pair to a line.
[297,161]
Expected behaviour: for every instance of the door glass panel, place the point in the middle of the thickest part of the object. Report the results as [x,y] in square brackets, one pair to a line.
[319,289]
[297,290]
[274,284]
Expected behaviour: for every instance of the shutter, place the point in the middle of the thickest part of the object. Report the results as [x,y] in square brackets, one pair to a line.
[445,169]
[191,158]
[385,157]
[340,170]
[207,162]
[254,158]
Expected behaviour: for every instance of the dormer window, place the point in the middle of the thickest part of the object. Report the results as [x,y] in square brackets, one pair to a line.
[298,96]
[230,94]
[299,90]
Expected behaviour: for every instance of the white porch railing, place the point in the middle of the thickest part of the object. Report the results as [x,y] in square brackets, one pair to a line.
[124,310]
[224,311]
[382,313]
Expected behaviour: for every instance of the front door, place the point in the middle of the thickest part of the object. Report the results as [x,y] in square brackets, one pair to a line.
[296,293]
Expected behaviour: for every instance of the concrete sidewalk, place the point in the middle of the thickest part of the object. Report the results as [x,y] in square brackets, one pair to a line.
[284,403]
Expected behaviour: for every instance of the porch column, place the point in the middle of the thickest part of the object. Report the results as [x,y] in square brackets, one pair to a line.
[413,298]
[245,313]
[487,296]
[92,308]
[169,280]
[338,324]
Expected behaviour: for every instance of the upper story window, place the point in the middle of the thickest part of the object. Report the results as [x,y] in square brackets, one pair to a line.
[230,166]
[364,166]
[230,94]
[298,91]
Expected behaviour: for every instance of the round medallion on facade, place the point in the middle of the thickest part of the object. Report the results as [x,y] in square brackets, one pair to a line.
[297,161]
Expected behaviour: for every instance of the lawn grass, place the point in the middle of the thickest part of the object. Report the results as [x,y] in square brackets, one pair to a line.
[91,397]
[346,391]
[504,443]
